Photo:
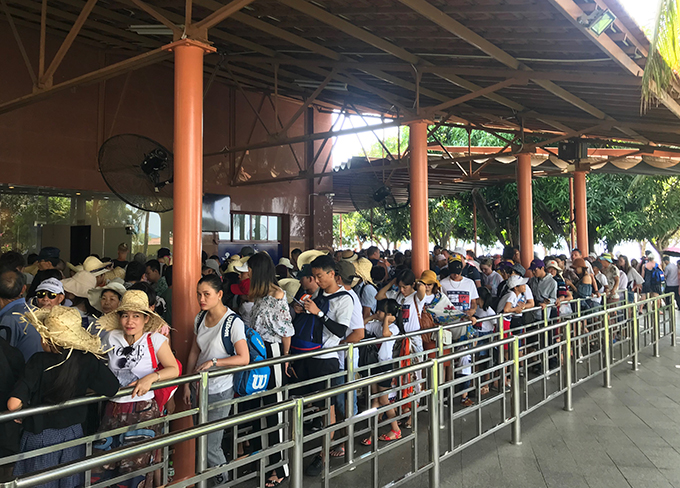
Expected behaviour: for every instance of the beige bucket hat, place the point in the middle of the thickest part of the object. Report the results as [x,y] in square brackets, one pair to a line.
[95,294]
[291,287]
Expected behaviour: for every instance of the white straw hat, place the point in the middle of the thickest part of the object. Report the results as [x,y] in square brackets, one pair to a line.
[133,301]
[80,283]
[95,294]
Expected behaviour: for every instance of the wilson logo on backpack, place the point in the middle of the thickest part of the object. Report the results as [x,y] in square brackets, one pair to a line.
[254,380]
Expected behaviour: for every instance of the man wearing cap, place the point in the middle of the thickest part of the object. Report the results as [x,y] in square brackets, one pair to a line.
[50,292]
[213,265]
[543,287]
[247,251]
[461,291]
[12,307]
[48,258]
[610,270]
[519,270]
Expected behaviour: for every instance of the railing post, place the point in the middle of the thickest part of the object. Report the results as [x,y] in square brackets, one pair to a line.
[607,354]
[296,473]
[656,328]
[516,391]
[636,338]
[578,307]
[546,342]
[567,367]
[434,424]
[673,320]
[202,444]
[441,374]
[349,404]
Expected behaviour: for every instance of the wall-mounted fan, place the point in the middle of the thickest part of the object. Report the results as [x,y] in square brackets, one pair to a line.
[369,192]
[139,171]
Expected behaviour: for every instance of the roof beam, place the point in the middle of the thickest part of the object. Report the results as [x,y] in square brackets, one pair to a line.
[176,31]
[97,76]
[446,22]
[46,78]
[573,12]
[369,38]
[222,13]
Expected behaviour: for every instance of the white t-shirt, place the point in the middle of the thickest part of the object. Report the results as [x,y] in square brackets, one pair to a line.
[487,325]
[492,281]
[244,312]
[604,283]
[465,362]
[409,316]
[460,293]
[427,299]
[132,362]
[513,299]
[210,343]
[375,328]
[623,280]
[671,273]
[340,310]
[356,322]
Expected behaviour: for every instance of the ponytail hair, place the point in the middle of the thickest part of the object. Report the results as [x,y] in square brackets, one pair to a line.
[391,306]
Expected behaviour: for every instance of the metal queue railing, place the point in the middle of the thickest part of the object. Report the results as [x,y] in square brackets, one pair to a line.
[509,373]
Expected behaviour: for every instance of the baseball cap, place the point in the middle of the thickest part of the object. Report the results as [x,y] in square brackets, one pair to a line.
[553,264]
[346,270]
[52,285]
[607,257]
[48,253]
[515,281]
[519,269]
[536,263]
[455,265]
[305,272]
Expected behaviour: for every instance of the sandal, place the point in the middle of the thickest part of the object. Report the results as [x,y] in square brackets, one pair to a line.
[273,483]
[484,390]
[466,402]
[367,442]
[337,452]
[385,438]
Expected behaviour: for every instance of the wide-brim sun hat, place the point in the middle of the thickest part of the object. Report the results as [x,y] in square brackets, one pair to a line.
[96,266]
[553,264]
[285,262]
[308,256]
[63,327]
[363,268]
[515,281]
[114,273]
[80,283]
[133,301]
[242,265]
[349,255]
[290,286]
[95,294]
[578,263]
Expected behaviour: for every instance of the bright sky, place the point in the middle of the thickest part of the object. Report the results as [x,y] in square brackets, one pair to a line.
[643,11]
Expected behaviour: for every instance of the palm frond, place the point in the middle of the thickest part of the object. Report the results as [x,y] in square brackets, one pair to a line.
[664,53]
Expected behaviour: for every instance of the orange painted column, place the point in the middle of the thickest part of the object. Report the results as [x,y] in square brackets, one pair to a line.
[581,211]
[188,200]
[420,254]
[526,212]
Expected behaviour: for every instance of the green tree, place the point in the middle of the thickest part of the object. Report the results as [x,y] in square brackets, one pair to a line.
[663,61]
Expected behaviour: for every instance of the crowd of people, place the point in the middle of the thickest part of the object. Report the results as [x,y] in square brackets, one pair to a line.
[106,324]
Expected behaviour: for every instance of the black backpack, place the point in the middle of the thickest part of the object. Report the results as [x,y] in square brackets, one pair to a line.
[309,327]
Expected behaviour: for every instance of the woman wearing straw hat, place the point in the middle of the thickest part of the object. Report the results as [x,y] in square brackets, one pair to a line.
[136,352]
[107,298]
[69,367]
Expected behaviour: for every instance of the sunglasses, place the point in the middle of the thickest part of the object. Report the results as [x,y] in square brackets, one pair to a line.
[48,294]
[122,362]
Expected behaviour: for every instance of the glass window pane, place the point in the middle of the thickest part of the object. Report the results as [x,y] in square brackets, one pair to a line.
[272,228]
[239,224]
[246,228]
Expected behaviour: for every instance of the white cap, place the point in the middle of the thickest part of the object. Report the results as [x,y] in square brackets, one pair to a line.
[52,285]
[515,281]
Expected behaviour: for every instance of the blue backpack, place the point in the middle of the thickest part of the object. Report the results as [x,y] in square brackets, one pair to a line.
[309,328]
[658,277]
[253,380]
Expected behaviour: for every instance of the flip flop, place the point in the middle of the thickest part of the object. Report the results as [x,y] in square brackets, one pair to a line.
[274,483]
[367,442]
[337,452]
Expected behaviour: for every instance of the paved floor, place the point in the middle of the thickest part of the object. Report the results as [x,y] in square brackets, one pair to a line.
[628,435]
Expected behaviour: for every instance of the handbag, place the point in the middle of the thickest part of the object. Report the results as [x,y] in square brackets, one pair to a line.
[161,395]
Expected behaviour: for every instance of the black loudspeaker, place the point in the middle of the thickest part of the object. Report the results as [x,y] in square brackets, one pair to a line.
[572,150]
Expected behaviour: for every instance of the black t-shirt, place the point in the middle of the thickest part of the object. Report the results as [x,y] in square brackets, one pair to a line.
[470,271]
[93,374]
[120,264]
